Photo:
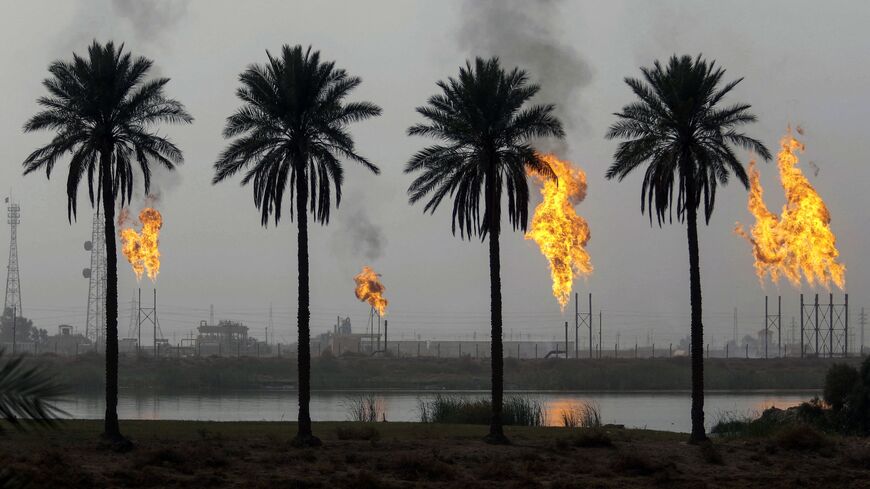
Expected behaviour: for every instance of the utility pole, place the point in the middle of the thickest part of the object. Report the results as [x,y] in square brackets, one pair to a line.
[600,339]
[862,319]
[14,336]
[590,325]
[13,282]
[95,319]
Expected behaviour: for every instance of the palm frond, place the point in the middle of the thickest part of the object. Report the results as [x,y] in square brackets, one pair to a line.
[27,395]
[484,125]
[292,129]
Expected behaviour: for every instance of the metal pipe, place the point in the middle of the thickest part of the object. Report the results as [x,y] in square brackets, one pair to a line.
[155,322]
[576,328]
[802,326]
[846,327]
[779,326]
[831,325]
[590,325]
[816,326]
[566,340]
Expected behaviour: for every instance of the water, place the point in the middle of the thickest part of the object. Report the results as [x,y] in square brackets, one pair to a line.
[653,410]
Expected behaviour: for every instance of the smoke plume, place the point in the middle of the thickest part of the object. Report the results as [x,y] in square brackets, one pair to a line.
[359,237]
[525,33]
[151,19]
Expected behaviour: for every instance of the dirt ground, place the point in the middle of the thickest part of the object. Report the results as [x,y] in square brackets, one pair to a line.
[396,455]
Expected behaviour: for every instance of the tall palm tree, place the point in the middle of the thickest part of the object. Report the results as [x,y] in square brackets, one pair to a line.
[683,134]
[485,127]
[105,111]
[293,124]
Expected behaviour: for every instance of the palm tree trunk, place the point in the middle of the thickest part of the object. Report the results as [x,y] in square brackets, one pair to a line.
[697,327]
[303,316]
[112,430]
[496,431]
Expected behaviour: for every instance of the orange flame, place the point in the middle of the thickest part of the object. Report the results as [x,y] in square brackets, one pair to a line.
[140,248]
[370,289]
[800,241]
[560,233]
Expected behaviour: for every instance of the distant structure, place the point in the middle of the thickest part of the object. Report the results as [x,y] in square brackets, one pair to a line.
[342,326]
[223,338]
[95,322]
[13,281]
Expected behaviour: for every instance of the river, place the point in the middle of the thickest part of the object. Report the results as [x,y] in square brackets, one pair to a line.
[667,411]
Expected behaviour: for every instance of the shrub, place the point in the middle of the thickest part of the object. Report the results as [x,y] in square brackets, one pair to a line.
[516,410]
[800,437]
[840,381]
[736,424]
[591,438]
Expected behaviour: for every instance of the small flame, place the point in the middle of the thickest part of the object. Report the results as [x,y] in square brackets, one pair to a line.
[370,289]
[799,241]
[140,248]
[560,233]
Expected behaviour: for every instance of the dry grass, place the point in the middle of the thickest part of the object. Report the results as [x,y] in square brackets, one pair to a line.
[259,455]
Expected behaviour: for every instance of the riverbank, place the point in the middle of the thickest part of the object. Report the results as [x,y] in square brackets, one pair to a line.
[86,373]
[394,455]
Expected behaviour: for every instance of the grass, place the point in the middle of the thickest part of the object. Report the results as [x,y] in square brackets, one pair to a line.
[588,438]
[801,437]
[581,415]
[366,408]
[259,455]
[228,432]
[516,410]
[354,432]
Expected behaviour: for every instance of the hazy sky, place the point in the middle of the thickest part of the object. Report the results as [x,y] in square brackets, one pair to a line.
[803,62]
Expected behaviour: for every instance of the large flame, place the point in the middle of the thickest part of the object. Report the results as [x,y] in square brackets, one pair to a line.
[140,248]
[560,233]
[800,241]
[370,289]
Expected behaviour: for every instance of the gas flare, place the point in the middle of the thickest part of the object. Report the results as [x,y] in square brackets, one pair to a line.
[799,241]
[560,233]
[370,289]
[140,248]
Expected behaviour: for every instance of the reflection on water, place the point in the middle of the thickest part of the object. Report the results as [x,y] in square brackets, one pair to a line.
[659,411]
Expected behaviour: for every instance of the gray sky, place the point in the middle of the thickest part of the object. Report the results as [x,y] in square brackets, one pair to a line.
[804,63]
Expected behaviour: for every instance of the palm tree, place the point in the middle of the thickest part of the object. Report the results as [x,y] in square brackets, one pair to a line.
[485,129]
[104,111]
[685,137]
[293,124]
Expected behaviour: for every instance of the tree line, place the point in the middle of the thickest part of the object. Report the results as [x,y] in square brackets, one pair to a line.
[291,134]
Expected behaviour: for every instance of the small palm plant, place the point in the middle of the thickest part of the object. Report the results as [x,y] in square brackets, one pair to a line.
[27,395]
